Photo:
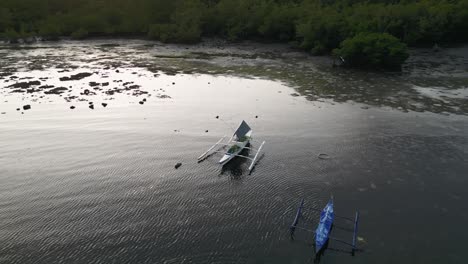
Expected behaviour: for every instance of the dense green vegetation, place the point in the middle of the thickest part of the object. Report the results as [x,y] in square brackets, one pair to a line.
[318,26]
[373,50]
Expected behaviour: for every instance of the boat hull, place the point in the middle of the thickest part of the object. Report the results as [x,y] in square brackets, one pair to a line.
[229,156]
[324,227]
[241,145]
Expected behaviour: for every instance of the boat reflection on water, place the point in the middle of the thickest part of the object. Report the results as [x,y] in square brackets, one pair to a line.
[236,167]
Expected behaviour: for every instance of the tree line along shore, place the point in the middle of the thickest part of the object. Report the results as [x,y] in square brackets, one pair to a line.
[372,33]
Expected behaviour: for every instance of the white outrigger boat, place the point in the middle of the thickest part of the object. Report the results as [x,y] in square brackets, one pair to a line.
[238,142]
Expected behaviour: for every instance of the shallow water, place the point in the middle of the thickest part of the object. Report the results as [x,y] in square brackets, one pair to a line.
[99,185]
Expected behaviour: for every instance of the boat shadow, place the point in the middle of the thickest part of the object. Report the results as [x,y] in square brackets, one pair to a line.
[236,167]
[327,248]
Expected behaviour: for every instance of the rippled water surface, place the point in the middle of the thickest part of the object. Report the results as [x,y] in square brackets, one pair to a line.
[98,185]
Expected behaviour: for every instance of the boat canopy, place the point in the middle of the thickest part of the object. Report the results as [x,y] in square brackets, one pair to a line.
[242,130]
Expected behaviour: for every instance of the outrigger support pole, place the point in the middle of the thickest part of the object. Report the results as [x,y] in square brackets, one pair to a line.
[255,158]
[292,228]
[204,154]
[356,220]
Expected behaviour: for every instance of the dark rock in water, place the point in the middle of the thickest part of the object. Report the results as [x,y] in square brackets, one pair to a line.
[206,131]
[17,91]
[256,116]
[26,107]
[57,90]
[164,96]
[144,99]
[91,106]
[87,92]
[24,84]
[92,84]
[46,86]
[295,95]
[17,109]
[117,71]
[70,98]
[217,117]
[3,113]
[104,104]
[72,107]
[141,102]
[105,84]
[75,77]
[173,83]
[134,87]
[178,165]
[32,90]
[139,92]
[90,103]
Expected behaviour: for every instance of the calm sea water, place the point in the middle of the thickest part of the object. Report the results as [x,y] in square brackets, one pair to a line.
[99,185]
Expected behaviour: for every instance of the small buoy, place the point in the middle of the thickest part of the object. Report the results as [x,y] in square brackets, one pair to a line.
[177,165]
[173,83]
[206,131]
[217,117]
[256,116]
[72,107]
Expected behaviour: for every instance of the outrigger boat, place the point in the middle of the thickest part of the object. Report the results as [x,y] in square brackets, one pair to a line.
[324,227]
[239,141]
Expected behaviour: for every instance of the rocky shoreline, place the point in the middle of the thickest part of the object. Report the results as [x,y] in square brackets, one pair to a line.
[80,70]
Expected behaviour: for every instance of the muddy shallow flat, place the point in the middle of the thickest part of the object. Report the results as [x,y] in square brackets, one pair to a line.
[87,174]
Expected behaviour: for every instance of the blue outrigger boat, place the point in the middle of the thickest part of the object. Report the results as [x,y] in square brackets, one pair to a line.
[324,227]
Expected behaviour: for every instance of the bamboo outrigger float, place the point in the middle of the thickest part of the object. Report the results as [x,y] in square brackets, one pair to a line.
[322,232]
[239,141]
